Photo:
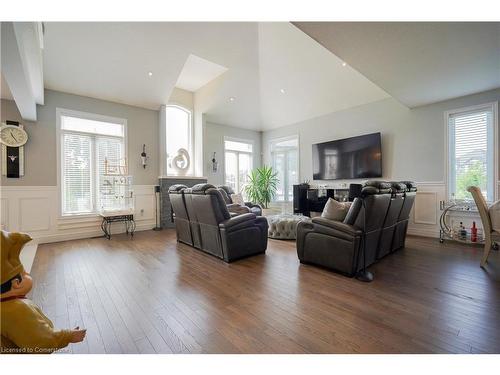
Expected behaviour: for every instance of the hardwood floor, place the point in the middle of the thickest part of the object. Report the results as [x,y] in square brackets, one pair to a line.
[152,295]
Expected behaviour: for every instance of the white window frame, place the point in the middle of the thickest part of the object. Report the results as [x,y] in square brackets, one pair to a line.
[190,138]
[241,140]
[282,139]
[493,106]
[61,112]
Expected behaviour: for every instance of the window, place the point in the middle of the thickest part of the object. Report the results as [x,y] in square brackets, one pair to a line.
[238,163]
[179,135]
[471,151]
[284,159]
[86,141]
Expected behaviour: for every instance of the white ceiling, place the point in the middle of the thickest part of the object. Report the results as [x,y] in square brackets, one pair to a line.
[418,63]
[197,72]
[314,80]
[415,63]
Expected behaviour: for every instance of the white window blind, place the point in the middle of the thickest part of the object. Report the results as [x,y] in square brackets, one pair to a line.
[77,174]
[471,152]
[85,145]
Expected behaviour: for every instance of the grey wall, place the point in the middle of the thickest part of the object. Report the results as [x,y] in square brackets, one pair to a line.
[412,140]
[40,151]
[213,141]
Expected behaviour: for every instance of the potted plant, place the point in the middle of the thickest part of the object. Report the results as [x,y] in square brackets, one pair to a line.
[262,185]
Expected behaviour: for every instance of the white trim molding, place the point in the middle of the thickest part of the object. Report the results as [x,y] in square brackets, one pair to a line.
[496,135]
[424,218]
[34,209]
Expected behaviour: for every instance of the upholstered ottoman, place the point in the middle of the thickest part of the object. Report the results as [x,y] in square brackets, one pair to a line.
[284,226]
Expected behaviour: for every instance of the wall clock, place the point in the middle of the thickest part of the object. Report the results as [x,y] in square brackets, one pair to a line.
[13,138]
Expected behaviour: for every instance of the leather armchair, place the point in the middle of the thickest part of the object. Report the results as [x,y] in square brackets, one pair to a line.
[220,234]
[379,216]
[253,208]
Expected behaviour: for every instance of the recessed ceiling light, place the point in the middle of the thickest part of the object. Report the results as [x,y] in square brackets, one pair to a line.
[282,91]
[231,99]
[150,74]
[344,63]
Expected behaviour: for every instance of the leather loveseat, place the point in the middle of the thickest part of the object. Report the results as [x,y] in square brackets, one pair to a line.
[211,227]
[338,245]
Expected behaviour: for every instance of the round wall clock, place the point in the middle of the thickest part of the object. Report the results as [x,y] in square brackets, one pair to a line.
[13,136]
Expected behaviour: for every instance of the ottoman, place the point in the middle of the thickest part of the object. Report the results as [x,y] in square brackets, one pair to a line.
[284,226]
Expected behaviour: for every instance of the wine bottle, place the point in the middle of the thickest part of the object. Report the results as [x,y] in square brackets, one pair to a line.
[473,232]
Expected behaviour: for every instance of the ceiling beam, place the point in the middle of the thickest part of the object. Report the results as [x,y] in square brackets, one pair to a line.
[22,65]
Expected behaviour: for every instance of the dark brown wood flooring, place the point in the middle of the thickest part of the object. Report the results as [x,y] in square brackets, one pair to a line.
[152,295]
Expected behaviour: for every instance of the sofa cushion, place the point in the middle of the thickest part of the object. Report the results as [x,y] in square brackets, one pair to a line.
[238,199]
[373,187]
[335,210]
[398,187]
[353,212]
[410,185]
[225,196]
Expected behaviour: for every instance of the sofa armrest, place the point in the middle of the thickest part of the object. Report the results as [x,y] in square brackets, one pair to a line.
[236,208]
[250,205]
[235,221]
[338,225]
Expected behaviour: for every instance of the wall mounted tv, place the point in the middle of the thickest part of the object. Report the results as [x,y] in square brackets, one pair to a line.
[349,158]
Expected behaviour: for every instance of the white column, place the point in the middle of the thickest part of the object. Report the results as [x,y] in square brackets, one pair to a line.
[162,154]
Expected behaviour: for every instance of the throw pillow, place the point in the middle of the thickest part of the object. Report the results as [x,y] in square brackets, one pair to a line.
[238,199]
[335,210]
[494,212]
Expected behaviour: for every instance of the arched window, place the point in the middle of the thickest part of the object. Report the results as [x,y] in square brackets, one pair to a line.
[179,135]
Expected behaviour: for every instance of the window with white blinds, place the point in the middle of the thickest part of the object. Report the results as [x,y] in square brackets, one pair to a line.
[85,144]
[471,160]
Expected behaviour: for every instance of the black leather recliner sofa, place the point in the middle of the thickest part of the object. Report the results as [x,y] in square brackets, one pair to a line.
[339,245]
[203,221]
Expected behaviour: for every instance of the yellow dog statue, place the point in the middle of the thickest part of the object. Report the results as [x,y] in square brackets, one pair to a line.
[24,327]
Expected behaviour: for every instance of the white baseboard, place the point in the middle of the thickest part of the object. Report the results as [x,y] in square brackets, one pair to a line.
[78,235]
[34,210]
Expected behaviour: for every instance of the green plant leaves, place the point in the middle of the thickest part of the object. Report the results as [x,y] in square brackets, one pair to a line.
[262,185]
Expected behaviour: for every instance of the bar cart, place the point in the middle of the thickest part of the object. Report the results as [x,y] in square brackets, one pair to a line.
[450,231]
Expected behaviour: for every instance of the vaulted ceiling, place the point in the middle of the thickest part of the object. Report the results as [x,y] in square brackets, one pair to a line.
[418,63]
[277,73]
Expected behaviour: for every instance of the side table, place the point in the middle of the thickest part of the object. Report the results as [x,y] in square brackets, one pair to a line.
[108,218]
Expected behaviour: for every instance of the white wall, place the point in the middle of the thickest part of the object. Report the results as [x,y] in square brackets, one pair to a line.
[30,203]
[40,155]
[412,139]
[213,141]
[413,143]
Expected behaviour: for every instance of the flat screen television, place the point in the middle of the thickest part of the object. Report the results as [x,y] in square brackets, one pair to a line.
[349,158]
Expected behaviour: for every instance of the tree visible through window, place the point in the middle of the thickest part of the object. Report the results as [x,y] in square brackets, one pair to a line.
[471,152]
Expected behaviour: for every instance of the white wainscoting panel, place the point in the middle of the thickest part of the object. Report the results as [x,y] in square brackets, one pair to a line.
[34,209]
[424,218]
[4,213]
[426,207]
[30,218]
